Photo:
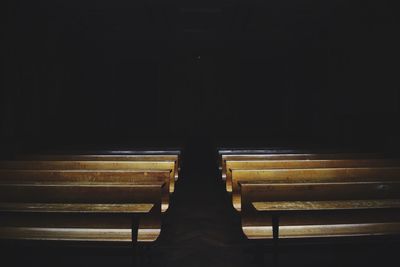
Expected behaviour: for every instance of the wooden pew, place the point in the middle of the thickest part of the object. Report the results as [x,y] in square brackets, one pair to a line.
[319,202]
[300,164]
[290,156]
[276,152]
[168,156]
[81,205]
[115,164]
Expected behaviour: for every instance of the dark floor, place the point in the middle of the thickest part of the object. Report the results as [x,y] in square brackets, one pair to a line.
[202,229]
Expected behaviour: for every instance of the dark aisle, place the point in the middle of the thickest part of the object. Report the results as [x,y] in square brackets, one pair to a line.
[201,227]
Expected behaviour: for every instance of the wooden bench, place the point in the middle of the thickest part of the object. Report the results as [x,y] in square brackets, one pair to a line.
[81,205]
[114,164]
[224,158]
[277,153]
[319,202]
[97,197]
[297,164]
[141,156]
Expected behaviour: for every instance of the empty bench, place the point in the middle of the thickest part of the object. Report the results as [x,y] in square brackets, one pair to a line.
[114,164]
[250,158]
[119,156]
[314,195]
[325,202]
[81,205]
[114,196]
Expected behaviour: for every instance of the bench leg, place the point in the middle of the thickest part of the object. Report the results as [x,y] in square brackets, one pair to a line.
[275,247]
[135,244]
[264,246]
[140,250]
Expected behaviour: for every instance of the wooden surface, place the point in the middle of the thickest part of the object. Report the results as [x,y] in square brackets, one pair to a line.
[80,177]
[68,234]
[94,165]
[66,227]
[106,157]
[312,203]
[75,207]
[294,156]
[314,175]
[326,205]
[292,185]
[81,205]
[302,164]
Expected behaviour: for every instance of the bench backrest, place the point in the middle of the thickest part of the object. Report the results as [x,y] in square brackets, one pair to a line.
[293,156]
[97,165]
[302,164]
[105,157]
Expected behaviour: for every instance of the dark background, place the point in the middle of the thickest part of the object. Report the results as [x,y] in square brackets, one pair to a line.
[173,72]
[199,75]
